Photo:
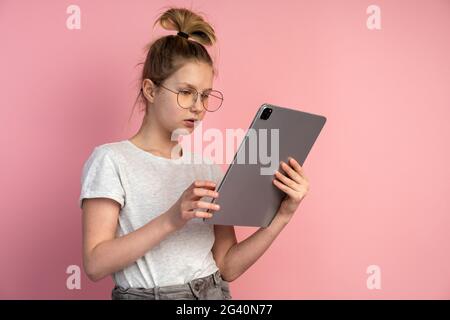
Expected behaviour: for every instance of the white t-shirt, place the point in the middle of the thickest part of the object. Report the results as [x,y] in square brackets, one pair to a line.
[147,185]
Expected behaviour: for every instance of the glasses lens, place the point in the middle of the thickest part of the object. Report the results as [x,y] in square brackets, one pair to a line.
[212,100]
[186,98]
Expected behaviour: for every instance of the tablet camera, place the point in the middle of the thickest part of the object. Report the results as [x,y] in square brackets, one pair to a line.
[266,113]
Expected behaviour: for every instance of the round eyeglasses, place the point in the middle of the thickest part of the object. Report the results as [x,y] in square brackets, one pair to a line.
[186,98]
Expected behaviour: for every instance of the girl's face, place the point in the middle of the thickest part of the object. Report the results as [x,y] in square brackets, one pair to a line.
[165,106]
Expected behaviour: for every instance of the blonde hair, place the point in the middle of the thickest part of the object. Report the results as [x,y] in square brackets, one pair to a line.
[169,53]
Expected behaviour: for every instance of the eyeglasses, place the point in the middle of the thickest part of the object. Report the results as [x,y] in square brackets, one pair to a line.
[186,98]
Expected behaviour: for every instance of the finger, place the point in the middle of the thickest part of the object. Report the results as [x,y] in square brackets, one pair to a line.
[289,191]
[287,181]
[203,205]
[203,184]
[199,214]
[297,167]
[202,214]
[197,193]
[291,172]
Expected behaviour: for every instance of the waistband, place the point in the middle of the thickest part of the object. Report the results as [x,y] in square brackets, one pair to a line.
[195,286]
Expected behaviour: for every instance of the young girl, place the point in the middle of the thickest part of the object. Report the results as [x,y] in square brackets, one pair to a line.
[143,198]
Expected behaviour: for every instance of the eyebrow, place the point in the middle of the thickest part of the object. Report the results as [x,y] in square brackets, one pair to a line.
[192,86]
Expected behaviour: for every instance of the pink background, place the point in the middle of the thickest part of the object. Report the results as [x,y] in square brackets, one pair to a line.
[379,171]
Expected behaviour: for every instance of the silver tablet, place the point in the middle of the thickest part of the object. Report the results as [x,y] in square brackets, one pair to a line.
[247,196]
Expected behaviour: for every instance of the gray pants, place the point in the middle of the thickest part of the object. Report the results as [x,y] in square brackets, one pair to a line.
[211,287]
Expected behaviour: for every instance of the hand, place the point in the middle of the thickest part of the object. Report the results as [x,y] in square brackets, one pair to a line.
[185,208]
[295,185]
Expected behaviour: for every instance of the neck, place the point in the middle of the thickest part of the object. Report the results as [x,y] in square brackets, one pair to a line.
[153,138]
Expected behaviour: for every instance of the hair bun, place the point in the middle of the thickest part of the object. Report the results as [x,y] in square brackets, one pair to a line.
[187,22]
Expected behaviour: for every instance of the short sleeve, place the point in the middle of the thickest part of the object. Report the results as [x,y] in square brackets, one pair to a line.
[100,177]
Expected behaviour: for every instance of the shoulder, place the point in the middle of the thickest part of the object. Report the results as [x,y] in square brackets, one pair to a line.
[106,155]
[111,150]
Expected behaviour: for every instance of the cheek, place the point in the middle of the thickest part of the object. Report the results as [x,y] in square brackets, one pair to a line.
[170,112]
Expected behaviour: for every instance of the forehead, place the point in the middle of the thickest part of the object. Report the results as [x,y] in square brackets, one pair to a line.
[196,74]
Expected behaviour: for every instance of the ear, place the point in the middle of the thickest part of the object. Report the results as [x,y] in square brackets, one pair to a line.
[148,90]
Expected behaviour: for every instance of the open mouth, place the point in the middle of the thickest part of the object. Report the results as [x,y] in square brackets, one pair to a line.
[190,122]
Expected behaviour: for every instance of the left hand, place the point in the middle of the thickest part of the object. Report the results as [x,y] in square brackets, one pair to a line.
[295,185]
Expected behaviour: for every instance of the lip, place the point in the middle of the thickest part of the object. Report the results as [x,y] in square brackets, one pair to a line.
[189,122]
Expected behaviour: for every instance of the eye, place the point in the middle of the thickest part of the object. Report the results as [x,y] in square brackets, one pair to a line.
[185,92]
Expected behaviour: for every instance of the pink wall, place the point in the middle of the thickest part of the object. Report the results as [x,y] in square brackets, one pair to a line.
[379,171]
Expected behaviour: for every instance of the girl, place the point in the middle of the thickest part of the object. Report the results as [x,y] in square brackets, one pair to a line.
[142,197]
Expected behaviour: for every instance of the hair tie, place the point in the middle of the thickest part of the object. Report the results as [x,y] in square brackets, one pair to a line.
[182,34]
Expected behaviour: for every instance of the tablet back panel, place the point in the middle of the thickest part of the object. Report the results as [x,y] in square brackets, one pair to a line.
[246,196]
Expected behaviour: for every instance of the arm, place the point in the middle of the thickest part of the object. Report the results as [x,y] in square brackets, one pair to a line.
[233,258]
[240,256]
[103,254]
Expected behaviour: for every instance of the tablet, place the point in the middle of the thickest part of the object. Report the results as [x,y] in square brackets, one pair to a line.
[247,195]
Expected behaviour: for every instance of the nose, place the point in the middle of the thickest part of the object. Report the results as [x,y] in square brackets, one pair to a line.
[198,105]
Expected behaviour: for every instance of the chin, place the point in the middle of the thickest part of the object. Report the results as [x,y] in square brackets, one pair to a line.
[182,130]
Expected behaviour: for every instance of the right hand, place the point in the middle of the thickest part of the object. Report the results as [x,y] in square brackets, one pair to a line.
[185,208]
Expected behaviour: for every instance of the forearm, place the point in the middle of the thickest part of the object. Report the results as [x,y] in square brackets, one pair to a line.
[245,253]
[116,254]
